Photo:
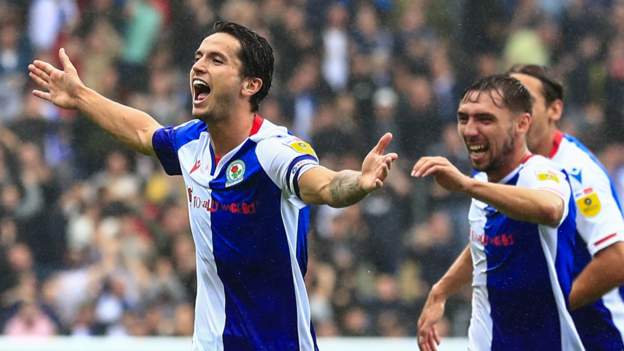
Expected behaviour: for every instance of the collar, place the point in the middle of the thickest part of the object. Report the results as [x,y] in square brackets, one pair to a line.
[555,143]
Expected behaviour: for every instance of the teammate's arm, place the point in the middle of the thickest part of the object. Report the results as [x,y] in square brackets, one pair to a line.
[603,273]
[65,89]
[523,204]
[457,276]
[320,185]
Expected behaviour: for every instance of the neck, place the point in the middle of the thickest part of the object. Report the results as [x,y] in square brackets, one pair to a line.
[228,133]
[546,147]
[514,160]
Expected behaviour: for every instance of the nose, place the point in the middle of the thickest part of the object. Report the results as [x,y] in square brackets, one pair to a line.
[468,129]
[198,67]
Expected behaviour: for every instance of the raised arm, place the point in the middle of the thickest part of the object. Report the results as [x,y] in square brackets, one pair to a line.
[524,204]
[339,189]
[457,276]
[65,89]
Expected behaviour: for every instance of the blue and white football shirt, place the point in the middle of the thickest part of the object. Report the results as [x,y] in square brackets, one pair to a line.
[249,226]
[522,272]
[599,224]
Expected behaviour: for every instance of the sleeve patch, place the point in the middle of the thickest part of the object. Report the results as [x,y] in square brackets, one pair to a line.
[302,147]
[548,176]
[589,204]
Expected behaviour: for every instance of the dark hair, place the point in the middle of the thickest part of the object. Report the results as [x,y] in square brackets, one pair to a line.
[552,89]
[514,95]
[256,56]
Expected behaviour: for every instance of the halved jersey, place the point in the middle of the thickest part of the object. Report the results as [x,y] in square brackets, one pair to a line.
[599,224]
[522,272]
[249,226]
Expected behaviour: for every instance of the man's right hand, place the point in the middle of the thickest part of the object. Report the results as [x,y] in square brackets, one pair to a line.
[428,338]
[59,87]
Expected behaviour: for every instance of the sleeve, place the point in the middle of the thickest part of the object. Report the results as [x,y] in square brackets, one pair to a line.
[163,142]
[599,218]
[285,160]
[548,177]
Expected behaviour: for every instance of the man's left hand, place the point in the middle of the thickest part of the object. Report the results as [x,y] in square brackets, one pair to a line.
[376,165]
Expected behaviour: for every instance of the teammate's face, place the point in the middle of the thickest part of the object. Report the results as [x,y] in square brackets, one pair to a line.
[215,77]
[542,114]
[488,130]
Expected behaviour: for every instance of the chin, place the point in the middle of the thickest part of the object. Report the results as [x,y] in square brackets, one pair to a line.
[200,113]
[481,167]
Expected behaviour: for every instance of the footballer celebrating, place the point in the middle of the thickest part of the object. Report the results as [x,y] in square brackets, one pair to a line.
[522,229]
[248,182]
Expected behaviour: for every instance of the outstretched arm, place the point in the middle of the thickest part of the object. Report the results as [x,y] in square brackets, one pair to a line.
[524,204]
[457,276]
[65,89]
[339,189]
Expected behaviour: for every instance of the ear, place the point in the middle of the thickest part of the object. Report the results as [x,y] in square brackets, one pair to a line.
[524,122]
[555,110]
[251,86]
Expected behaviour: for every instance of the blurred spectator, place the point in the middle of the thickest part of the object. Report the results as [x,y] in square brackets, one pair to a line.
[431,245]
[370,36]
[48,19]
[418,120]
[30,321]
[15,55]
[293,41]
[305,90]
[336,47]
[142,29]
[356,322]
[191,19]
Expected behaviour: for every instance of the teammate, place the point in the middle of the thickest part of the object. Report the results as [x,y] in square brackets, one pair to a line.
[521,229]
[600,227]
[248,183]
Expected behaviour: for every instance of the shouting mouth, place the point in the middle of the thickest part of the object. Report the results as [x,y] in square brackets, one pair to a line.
[477,151]
[201,90]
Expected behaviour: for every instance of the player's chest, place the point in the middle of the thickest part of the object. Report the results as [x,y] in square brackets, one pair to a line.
[492,231]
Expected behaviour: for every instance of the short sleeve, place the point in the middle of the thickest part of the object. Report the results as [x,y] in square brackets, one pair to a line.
[547,176]
[285,159]
[163,142]
[598,219]
[168,140]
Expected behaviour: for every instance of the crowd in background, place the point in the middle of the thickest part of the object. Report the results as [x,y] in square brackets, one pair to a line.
[95,240]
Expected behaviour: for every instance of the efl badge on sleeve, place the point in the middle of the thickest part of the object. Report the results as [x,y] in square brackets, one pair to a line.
[235,173]
[589,204]
[548,176]
[302,147]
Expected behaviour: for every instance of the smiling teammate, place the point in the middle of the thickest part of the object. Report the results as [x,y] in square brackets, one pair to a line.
[522,229]
[595,297]
[248,183]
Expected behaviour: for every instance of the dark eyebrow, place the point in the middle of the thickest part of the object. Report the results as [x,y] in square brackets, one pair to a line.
[485,115]
[210,54]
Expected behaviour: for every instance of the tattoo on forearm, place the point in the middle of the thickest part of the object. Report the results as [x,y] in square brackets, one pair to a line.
[345,189]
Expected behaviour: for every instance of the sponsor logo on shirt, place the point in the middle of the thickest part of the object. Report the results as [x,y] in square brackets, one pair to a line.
[589,203]
[302,147]
[235,173]
[211,205]
[547,176]
[500,240]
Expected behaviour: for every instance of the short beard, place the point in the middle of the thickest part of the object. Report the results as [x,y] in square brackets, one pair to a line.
[222,108]
[508,147]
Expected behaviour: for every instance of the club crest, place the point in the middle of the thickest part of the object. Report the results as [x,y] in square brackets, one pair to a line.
[235,173]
